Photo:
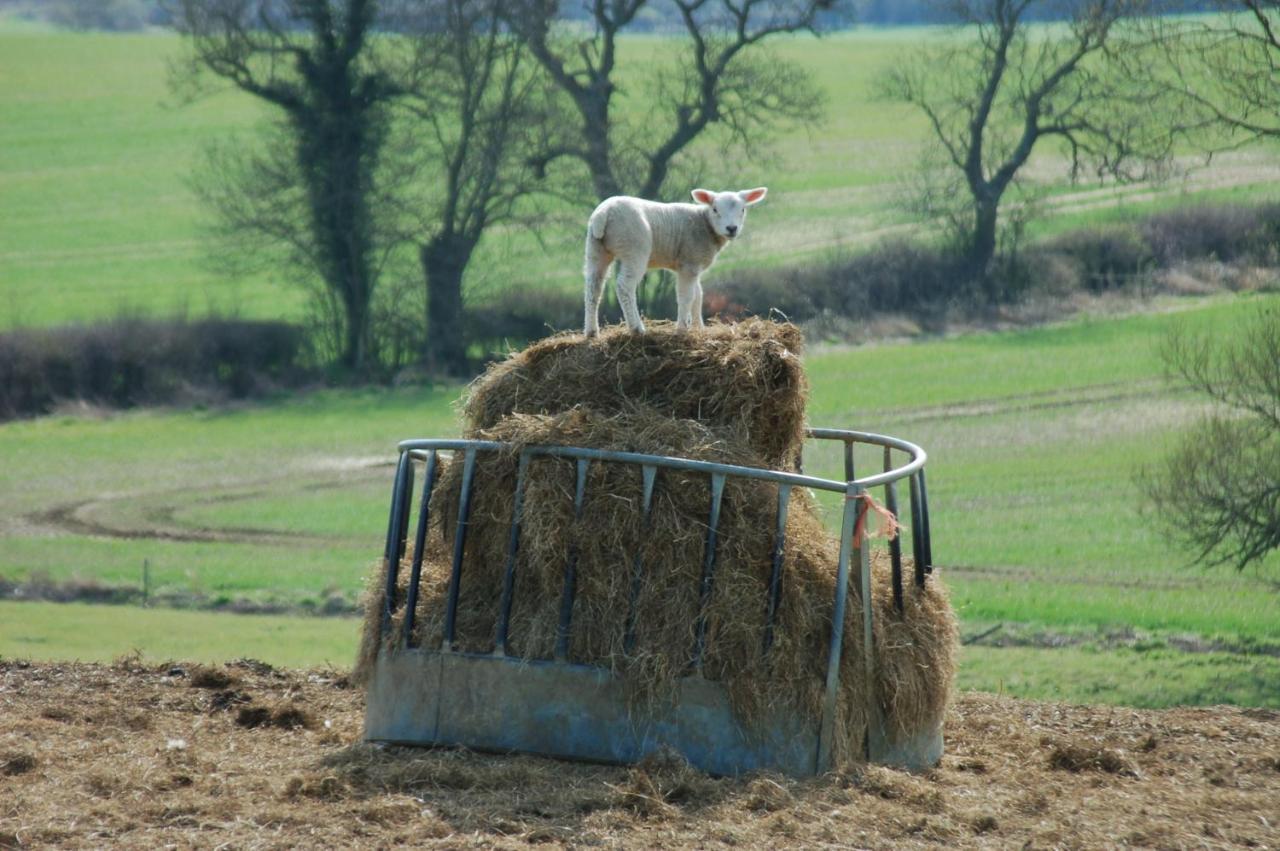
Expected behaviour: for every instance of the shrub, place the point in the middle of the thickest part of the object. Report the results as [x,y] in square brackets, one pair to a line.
[129,361]
[902,276]
[1045,272]
[1216,491]
[1226,232]
[898,276]
[397,325]
[799,292]
[519,315]
[1104,258]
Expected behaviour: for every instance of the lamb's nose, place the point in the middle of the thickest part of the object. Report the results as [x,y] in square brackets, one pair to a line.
[732,229]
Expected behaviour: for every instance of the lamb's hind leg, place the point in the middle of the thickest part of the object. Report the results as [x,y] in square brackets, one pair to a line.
[629,276]
[595,268]
[686,284]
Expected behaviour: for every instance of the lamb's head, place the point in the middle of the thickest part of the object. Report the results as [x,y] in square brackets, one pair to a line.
[727,211]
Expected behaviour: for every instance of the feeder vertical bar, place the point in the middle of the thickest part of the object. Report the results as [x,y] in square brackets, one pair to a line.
[399,502]
[419,549]
[848,461]
[708,569]
[459,543]
[836,645]
[928,530]
[875,718]
[779,553]
[917,533]
[406,506]
[513,545]
[571,569]
[648,474]
[895,545]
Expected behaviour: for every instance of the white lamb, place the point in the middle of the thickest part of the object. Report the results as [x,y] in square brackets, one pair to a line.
[644,235]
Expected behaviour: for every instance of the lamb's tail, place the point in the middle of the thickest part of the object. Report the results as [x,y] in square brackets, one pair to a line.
[597,222]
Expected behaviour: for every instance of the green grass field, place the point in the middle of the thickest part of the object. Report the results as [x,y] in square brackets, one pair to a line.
[96,161]
[78,631]
[1034,438]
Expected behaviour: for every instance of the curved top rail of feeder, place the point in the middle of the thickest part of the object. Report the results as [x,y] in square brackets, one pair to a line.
[918,458]
[918,455]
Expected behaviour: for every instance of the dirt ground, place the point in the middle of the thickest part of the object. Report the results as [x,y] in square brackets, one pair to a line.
[245,756]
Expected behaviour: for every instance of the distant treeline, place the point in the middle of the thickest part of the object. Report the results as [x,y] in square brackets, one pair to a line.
[131,361]
[907,12]
[131,15]
[105,15]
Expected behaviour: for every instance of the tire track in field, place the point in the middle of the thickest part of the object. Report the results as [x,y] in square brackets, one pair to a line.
[1039,400]
[161,523]
[1023,635]
[69,518]
[1026,574]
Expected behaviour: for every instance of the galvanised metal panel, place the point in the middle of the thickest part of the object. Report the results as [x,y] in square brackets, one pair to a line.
[502,704]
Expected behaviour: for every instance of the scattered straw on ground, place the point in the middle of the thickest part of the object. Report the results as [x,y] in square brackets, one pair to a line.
[132,756]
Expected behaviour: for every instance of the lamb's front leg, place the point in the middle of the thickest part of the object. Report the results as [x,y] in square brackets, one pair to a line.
[696,306]
[686,286]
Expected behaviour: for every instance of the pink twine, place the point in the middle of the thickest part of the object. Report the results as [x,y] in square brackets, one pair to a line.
[889,526]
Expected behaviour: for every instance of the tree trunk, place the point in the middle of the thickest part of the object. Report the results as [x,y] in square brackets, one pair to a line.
[594,107]
[982,245]
[355,344]
[336,152]
[444,259]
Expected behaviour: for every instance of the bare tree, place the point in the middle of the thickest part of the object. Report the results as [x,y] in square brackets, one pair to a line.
[485,110]
[723,80]
[1223,70]
[997,91]
[312,60]
[1218,491]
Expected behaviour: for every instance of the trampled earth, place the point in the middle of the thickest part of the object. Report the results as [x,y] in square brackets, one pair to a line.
[247,756]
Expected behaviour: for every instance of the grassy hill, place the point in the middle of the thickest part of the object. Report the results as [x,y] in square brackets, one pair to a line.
[96,161]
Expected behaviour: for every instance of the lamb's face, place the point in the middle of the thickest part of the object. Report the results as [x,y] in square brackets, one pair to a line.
[727,211]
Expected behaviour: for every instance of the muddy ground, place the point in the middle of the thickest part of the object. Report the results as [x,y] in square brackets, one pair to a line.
[246,756]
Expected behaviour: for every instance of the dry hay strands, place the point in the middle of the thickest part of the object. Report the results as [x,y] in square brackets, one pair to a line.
[664,607]
[747,376]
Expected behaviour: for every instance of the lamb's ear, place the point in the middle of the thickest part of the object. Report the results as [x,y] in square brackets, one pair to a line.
[751,197]
[703,196]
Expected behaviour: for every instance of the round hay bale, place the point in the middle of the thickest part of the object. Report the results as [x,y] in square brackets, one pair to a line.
[915,648]
[746,377]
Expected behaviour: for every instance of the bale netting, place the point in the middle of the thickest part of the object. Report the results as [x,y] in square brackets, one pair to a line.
[745,376]
[660,606]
